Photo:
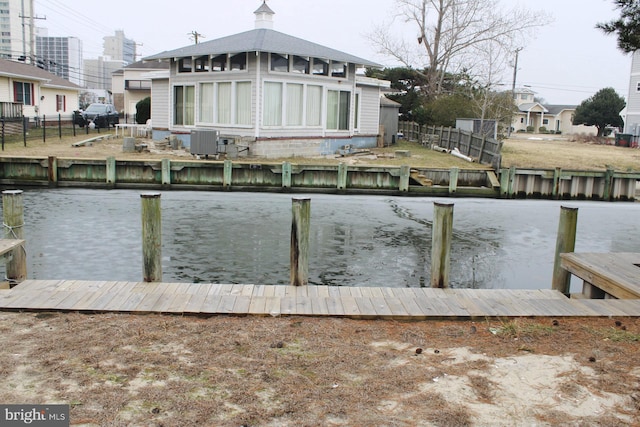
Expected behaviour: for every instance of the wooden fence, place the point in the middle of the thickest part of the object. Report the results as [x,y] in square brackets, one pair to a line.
[479,147]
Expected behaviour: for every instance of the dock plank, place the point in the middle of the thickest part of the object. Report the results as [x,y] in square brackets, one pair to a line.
[360,302]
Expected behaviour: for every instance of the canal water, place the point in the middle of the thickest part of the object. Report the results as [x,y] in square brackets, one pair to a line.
[229,237]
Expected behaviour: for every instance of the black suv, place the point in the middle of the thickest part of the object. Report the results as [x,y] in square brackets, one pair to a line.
[102,115]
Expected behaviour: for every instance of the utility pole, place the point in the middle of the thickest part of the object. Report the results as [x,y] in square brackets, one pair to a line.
[513,88]
[195,36]
[32,37]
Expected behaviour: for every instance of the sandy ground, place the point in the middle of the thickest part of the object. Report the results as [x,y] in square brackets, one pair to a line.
[158,370]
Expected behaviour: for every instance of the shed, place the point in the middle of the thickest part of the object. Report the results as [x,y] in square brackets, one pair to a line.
[389,113]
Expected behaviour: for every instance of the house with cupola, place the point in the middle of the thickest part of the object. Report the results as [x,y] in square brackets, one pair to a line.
[276,94]
[536,116]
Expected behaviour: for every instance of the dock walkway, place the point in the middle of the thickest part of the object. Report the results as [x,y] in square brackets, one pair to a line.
[277,300]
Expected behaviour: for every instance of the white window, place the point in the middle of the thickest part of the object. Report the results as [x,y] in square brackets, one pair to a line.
[224,103]
[219,63]
[300,65]
[320,67]
[294,104]
[184,101]
[338,109]
[243,103]
[206,103]
[279,63]
[272,104]
[314,105]
[338,69]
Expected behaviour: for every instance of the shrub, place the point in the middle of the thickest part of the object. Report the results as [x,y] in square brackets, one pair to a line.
[143,110]
[542,129]
[529,129]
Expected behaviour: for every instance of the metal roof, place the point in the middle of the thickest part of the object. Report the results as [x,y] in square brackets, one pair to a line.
[262,40]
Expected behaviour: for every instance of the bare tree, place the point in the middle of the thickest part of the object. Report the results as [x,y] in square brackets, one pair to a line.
[448,30]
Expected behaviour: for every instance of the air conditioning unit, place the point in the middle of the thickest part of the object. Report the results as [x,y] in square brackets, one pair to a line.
[204,142]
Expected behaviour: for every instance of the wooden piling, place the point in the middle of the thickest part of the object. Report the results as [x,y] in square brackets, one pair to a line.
[286,175]
[454,172]
[301,210]
[52,171]
[405,173]
[111,170]
[151,237]
[441,244]
[13,218]
[342,176]
[227,173]
[166,172]
[565,242]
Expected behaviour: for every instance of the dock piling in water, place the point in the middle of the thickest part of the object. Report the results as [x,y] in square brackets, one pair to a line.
[13,221]
[566,242]
[301,210]
[441,244]
[151,237]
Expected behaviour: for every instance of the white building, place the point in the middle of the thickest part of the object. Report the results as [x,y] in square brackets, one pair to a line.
[278,94]
[61,56]
[17,30]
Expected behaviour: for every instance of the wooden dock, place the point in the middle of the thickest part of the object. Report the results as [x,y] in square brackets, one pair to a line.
[275,300]
[605,275]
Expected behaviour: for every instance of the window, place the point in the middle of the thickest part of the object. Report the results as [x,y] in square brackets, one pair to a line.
[338,110]
[300,65]
[219,63]
[545,121]
[338,69]
[184,65]
[272,104]
[320,67]
[184,105]
[279,63]
[23,92]
[224,103]
[61,103]
[638,87]
[294,104]
[202,64]
[227,98]
[206,103]
[239,62]
[243,103]
[314,105]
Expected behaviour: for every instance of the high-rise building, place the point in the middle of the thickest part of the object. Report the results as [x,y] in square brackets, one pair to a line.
[17,30]
[61,56]
[98,72]
[120,48]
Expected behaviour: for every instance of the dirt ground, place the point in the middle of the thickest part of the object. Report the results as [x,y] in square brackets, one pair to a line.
[523,151]
[161,370]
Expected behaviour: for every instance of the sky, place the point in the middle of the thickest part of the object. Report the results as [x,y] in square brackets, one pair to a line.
[568,61]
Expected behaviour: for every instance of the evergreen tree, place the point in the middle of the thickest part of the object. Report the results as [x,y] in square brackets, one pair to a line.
[627,27]
[601,110]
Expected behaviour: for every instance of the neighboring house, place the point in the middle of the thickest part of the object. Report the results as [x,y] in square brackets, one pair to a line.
[132,84]
[631,113]
[275,93]
[30,91]
[557,118]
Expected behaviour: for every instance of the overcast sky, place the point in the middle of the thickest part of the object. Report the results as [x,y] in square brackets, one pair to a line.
[567,62]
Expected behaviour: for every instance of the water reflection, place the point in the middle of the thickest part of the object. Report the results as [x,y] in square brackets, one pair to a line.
[355,240]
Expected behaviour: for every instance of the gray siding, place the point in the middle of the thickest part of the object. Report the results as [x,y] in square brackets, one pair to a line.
[160,104]
[369,110]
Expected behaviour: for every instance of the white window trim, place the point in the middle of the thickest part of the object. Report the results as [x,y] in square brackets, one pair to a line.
[283,124]
[234,118]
